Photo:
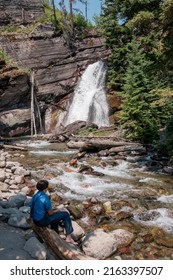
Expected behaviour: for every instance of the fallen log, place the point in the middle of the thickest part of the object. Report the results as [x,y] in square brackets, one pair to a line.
[127,148]
[13,147]
[60,248]
[99,144]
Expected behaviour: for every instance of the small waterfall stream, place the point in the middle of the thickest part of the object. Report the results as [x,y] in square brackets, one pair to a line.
[89,102]
[141,200]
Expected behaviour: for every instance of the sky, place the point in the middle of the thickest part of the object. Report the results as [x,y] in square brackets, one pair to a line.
[93,7]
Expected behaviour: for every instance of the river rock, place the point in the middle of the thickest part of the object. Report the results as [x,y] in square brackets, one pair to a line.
[2,175]
[95,210]
[19,179]
[17,200]
[107,206]
[25,209]
[75,211]
[161,237]
[122,237]
[35,249]
[2,163]
[19,220]
[12,165]
[21,171]
[6,213]
[99,244]
[78,232]
[4,187]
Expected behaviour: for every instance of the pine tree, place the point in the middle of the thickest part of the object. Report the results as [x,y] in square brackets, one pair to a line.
[124,19]
[138,115]
[116,36]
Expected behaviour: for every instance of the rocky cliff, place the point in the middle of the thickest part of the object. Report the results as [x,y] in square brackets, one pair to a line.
[17,11]
[56,72]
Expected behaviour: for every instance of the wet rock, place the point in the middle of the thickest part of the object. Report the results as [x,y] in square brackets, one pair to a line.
[83,168]
[123,215]
[73,162]
[96,210]
[80,155]
[103,153]
[122,237]
[93,200]
[107,206]
[61,188]
[103,219]
[55,198]
[74,127]
[168,170]
[161,237]
[75,211]
[125,250]
[78,231]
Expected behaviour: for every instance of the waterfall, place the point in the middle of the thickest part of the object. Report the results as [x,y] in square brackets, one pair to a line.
[89,102]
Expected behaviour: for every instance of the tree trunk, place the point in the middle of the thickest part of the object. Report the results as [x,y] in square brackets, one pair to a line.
[60,249]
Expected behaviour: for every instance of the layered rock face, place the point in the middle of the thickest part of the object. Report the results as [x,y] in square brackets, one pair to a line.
[17,11]
[55,68]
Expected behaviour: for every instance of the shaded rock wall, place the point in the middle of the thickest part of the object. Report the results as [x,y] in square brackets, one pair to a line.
[56,72]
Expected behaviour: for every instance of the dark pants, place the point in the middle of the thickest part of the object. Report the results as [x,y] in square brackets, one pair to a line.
[54,220]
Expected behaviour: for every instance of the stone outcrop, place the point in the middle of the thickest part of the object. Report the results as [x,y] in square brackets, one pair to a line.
[56,73]
[17,11]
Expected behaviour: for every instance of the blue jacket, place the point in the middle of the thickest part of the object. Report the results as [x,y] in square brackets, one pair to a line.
[39,205]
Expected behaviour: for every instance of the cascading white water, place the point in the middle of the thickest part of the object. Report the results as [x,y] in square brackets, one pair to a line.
[89,102]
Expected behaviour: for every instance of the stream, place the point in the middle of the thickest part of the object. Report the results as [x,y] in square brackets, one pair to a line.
[143,199]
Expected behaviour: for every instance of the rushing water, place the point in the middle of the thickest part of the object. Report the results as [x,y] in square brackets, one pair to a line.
[89,102]
[123,181]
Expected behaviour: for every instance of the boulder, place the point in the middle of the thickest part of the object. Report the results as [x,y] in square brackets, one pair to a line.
[35,248]
[19,220]
[5,214]
[4,187]
[78,232]
[17,200]
[99,244]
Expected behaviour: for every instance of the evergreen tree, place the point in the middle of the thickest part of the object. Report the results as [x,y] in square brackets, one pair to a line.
[117,36]
[138,115]
[124,19]
[145,75]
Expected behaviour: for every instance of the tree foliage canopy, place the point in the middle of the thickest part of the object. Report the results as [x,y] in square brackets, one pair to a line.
[140,36]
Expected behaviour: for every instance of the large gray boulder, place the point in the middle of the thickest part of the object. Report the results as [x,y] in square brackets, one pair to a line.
[17,200]
[100,244]
[35,249]
[19,220]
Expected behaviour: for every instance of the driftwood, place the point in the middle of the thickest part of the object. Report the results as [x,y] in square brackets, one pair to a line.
[127,148]
[13,147]
[98,144]
[60,248]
